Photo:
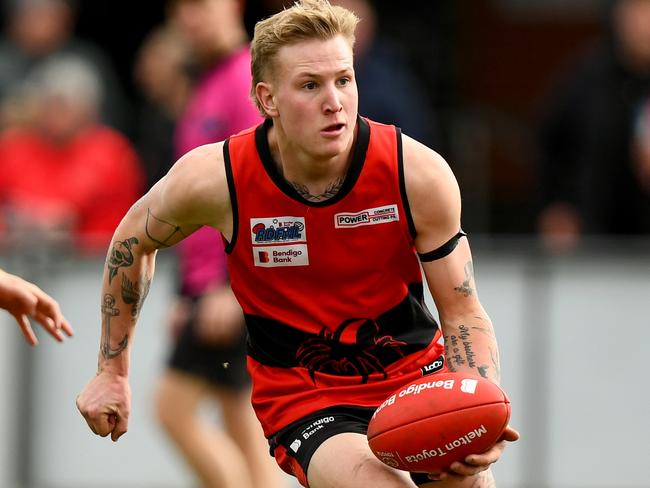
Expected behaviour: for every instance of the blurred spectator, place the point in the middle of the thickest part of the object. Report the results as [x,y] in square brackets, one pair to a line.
[39,29]
[592,179]
[389,90]
[162,76]
[208,360]
[64,178]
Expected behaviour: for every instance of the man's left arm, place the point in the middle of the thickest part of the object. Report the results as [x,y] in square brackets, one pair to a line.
[470,341]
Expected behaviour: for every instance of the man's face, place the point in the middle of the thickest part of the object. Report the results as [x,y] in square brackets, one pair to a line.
[207,25]
[315,95]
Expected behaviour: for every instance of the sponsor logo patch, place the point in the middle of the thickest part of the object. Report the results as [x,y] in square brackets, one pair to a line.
[278,230]
[279,241]
[370,216]
[271,256]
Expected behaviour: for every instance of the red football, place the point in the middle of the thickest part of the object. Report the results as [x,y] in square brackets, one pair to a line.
[430,423]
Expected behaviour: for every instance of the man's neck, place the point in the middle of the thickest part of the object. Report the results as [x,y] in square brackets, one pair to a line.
[314,179]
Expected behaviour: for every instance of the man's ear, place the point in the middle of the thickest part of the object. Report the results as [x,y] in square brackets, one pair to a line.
[264,94]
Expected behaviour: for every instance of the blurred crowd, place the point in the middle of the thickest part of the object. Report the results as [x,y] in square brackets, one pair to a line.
[83,137]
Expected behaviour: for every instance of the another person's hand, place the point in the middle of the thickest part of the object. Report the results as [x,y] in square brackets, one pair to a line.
[219,317]
[105,404]
[23,300]
[475,463]
[179,316]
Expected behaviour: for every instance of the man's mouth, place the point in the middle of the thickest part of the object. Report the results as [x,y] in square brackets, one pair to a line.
[334,128]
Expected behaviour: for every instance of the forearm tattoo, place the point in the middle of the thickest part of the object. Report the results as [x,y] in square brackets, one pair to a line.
[161,232]
[459,350]
[108,312]
[466,287]
[135,293]
[120,256]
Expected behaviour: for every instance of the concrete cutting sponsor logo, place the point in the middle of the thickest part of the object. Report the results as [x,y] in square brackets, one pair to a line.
[371,216]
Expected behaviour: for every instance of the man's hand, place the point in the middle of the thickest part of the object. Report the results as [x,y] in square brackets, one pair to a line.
[23,300]
[105,403]
[475,463]
[219,317]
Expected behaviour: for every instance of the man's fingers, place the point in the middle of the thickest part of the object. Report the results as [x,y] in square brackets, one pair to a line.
[121,427]
[510,435]
[67,328]
[26,329]
[49,307]
[488,457]
[101,425]
[48,325]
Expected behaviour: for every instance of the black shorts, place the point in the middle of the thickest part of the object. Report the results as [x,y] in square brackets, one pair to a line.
[294,446]
[220,365]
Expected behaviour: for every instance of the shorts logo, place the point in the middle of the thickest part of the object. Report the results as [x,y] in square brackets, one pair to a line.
[279,241]
[316,426]
[295,445]
[370,216]
[434,367]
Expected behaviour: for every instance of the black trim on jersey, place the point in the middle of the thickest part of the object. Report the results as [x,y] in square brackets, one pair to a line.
[402,184]
[356,165]
[233,198]
[443,250]
[406,328]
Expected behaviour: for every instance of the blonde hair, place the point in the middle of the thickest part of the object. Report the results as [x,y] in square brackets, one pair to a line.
[305,20]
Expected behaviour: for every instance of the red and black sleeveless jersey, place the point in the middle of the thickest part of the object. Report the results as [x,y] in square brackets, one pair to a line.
[332,291]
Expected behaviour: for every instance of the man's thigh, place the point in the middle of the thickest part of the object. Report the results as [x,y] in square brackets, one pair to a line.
[345,461]
[481,480]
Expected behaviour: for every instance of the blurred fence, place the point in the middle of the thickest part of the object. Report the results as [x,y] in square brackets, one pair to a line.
[574,332]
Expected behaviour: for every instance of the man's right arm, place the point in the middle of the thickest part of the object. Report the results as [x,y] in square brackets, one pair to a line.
[192,194]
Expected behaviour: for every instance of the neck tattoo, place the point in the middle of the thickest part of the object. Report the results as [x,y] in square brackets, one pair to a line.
[331,190]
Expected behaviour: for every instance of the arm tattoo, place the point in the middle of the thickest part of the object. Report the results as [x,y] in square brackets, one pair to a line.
[171,231]
[332,189]
[134,294]
[452,351]
[459,351]
[466,287]
[120,256]
[109,311]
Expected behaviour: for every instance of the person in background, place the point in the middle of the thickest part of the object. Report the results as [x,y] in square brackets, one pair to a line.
[588,165]
[389,90]
[35,31]
[207,364]
[162,76]
[65,179]
[23,300]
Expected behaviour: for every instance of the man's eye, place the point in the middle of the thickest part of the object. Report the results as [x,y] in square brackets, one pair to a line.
[309,86]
